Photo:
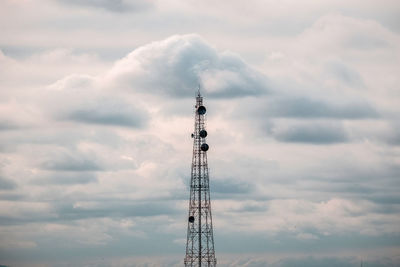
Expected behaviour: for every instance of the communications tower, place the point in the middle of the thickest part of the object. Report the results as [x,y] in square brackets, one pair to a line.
[200,241]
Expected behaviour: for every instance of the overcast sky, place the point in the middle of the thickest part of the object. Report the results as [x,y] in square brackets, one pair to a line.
[303,118]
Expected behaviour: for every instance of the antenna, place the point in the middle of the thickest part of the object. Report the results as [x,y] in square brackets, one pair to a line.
[200,239]
[198,90]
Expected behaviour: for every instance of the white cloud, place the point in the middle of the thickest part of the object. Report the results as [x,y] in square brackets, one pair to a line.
[175,66]
[96,154]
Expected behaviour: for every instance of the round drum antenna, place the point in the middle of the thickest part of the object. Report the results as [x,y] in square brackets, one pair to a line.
[201,110]
[203,133]
[191,219]
[204,147]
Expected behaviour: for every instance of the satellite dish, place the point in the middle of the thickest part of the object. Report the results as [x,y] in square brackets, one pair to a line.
[203,133]
[191,219]
[204,147]
[201,110]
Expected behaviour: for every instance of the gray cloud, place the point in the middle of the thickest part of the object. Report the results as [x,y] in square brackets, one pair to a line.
[363,40]
[337,261]
[114,115]
[272,197]
[312,133]
[71,163]
[67,178]
[115,209]
[318,262]
[7,184]
[80,98]
[392,137]
[230,186]
[307,107]
[75,210]
[112,5]
[176,66]
[7,125]
[302,262]
[345,74]
[11,196]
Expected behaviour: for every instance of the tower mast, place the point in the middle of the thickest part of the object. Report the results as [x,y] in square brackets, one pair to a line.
[200,240]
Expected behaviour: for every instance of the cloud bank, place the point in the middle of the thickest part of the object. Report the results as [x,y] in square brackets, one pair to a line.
[95,132]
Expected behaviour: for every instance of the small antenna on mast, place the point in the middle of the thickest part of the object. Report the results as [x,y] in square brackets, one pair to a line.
[198,90]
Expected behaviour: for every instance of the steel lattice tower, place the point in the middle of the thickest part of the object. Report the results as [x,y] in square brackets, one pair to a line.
[200,240]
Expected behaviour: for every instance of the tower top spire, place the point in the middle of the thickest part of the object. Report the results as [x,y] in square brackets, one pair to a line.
[198,90]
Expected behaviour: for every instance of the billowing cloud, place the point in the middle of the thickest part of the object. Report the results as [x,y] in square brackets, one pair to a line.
[177,65]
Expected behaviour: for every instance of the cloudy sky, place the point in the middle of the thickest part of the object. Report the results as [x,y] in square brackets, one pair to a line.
[96,112]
